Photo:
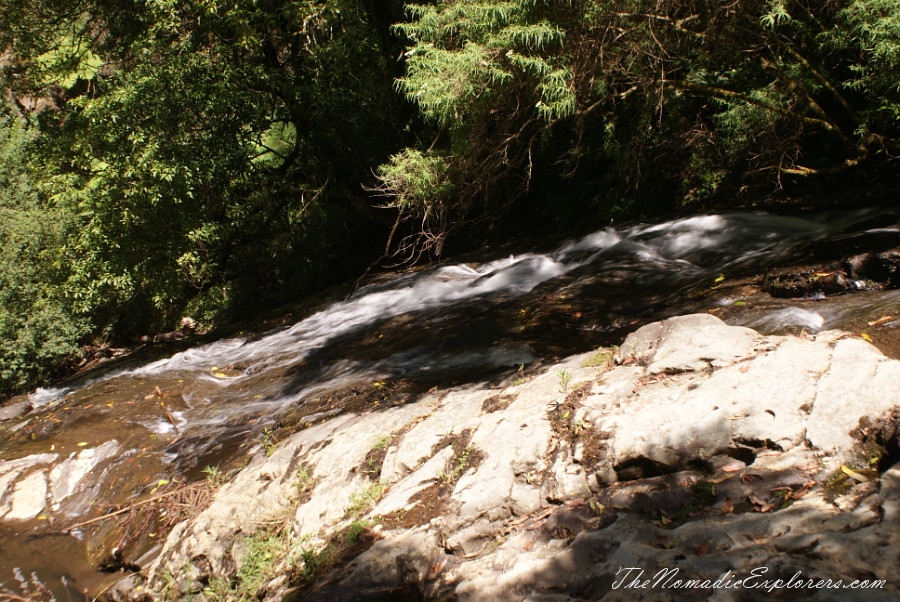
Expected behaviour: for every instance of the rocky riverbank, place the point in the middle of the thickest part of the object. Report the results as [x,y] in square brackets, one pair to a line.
[695,446]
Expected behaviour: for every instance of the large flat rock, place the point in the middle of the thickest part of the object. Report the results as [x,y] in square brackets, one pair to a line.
[704,448]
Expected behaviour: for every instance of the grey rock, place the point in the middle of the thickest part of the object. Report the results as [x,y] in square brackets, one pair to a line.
[29,497]
[14,410]
[687,343]
[65,476]
[741,430]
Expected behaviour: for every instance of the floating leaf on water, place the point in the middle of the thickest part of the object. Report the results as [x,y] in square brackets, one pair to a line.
[81,443]
[881,320]
[720,278]
[739,303]
[159,484]
[220,375]
[866,337]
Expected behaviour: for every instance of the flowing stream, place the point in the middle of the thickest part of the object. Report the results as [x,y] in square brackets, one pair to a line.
[130,433]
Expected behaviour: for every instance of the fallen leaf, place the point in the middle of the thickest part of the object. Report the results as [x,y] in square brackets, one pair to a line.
[81,443]
[853,474]
[800,493]
[866,337]
[788,492]
[720,278]
[743,369]
[727,506]
[881,320]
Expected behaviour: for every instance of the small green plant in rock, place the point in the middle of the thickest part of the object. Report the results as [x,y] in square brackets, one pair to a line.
[362,501]
[356,529]
[457,467]
[264,550]
[520,379]
[580,425]
[214,477]
[269,442]
[305,480]
[383,442]
[564,377]
[312,560]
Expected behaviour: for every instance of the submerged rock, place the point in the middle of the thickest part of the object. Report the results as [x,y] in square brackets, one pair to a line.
[14,410]
[29,497]
[705,451]
[66,476]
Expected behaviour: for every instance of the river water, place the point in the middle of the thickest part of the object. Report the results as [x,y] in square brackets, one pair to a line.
[133,433]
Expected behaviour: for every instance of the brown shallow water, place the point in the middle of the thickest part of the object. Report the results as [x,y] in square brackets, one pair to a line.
[167,423]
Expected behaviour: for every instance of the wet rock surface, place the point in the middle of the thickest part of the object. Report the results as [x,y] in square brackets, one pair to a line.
[858,272]
[698,448]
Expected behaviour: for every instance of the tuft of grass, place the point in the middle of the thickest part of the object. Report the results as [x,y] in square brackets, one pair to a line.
[383,442]
[304,481]
[265,553]
[356,528]
[363,500]
[457,466]
[601,359]
[214,477]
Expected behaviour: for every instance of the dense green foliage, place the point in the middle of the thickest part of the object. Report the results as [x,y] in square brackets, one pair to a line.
[166,158]
[656,103]
[38,331]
